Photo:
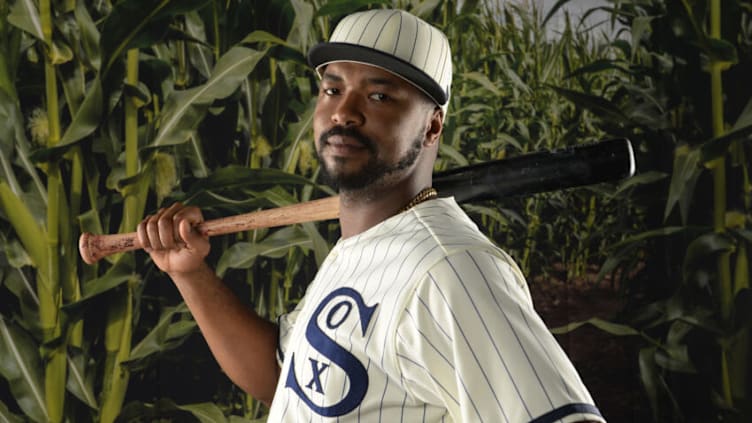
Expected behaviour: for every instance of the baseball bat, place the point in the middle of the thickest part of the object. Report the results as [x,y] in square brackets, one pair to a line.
[525,174]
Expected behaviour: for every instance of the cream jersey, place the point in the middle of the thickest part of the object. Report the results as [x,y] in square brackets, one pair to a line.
[422,319]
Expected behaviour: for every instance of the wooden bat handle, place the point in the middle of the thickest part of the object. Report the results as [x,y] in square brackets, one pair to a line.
[94,247]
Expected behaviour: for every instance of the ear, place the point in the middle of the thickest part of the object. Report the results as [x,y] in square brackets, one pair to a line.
[434,126]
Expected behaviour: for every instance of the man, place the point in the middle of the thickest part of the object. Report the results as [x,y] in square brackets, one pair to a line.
[414,315]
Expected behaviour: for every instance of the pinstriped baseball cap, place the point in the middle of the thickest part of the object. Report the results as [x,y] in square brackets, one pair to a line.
[396,41]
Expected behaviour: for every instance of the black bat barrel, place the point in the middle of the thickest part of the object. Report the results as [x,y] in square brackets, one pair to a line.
[587,164]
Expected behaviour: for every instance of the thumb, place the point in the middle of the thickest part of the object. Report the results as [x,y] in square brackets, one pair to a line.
[190,235]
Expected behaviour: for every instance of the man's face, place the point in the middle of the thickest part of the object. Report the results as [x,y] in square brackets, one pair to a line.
[369,125]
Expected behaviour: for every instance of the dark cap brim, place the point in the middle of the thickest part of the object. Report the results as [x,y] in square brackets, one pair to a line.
[325,53]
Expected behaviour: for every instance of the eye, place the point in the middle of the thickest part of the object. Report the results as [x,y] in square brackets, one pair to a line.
[378,97]
[330,91]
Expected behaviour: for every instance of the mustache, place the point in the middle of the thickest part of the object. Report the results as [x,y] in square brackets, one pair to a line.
[347,132]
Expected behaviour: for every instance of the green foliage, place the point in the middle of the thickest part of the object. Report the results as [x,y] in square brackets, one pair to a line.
[685,102]
[129,106]
[22,369]
[518,88]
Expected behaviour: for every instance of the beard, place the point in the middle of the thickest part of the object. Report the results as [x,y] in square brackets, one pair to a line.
[374,173]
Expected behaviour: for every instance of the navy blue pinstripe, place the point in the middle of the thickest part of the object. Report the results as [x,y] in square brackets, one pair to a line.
[464,336]
[538,340]
[514,331]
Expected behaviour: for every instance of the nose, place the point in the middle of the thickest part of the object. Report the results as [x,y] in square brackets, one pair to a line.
[347,111]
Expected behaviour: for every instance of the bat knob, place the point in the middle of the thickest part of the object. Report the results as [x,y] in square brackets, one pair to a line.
[85,248]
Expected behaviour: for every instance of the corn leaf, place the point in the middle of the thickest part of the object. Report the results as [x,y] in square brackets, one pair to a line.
[600,106]
[205,412]
[80,379]
[90,35]
[8,122]
[7,417]
[745,117]
[184,109]
[604,325]
[85,121]
[166,335]
[164,407]
[718,147]
[720,50]
[649,377]
[675,358]
[599,65]
[343,7]
[117,275]
[25,15]
[236,177]
[134,24]
[555,8]
[490,212]
[706,245]
[426,8]
[21,367]
[274,109]
[449,152]
[200,55]
[319,245]
[265,37]
[659,232]
[745,234]
[242,255]
[13,138]
[516,80]
[482,80]
[296,132]
[87,117]
[31,234]
[683,180]
[645,178]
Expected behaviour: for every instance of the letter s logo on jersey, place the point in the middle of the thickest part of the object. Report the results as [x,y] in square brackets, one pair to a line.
[340,310]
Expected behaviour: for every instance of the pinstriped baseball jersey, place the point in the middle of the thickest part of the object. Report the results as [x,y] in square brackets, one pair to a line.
[422,319]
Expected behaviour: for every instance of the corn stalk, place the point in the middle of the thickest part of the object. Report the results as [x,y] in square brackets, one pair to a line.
[49,290]
[118,330]
[723,264]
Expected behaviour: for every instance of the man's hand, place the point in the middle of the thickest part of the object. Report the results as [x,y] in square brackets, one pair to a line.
[171,238]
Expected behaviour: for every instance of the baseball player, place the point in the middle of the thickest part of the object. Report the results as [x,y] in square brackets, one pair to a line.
[414,315]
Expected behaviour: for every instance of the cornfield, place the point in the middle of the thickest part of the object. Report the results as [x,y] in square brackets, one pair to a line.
[110,110]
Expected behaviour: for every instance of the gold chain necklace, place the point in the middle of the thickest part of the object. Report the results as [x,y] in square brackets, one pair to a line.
[424,195]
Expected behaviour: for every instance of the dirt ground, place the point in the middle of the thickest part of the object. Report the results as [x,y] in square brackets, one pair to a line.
[607,364]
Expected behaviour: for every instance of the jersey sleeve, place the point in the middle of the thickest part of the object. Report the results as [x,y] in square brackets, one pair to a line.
[470,340]
[286,322]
